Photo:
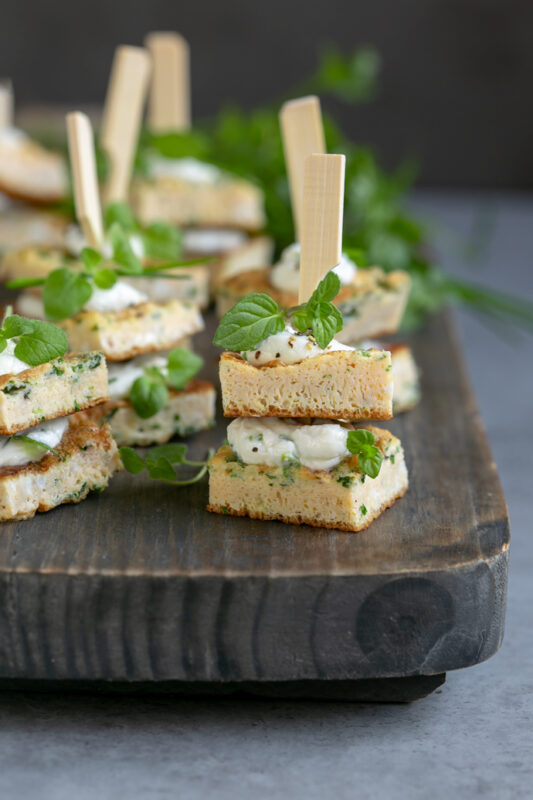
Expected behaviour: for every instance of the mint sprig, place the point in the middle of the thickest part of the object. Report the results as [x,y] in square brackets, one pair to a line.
[68,289]
[258,316]
[161,463]
[369,457]
[37,341]
[150,392]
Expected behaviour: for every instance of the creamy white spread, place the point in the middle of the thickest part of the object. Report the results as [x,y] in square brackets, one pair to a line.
[16,452]
[285,275]
[212,240]
[75,241]
[9,363]
[12,137]
[186,169]
[121,295]
[277,442]
[289,347]
[122,376]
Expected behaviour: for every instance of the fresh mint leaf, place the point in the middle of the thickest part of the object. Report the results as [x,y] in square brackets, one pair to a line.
[3,342]
[123,255]
[370,460]
[65,293]
[324,326]
[148,395]
[104,277]
[16,326]
[182,366]
[358,438]
[250,321]
[161,469]
[131,460]
[360,442]
[90,258]
[162,240]
[24,283]
[326,291]
[44,343]
[301,320]
[120,213]
[174,453]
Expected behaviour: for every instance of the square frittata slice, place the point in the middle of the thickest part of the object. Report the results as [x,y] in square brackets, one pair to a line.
[54,389]
[342,498]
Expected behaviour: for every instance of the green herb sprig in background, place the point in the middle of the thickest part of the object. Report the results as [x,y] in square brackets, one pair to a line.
[161,463]
[150,392]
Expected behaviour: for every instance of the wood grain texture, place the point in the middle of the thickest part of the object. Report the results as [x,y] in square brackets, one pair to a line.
[142,584]
[85,178]
[169,102]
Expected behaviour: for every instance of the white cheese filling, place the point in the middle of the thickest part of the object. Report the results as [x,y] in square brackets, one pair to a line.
[122,376]
[212,240]
[9,363]
[75,241]
[277,442]
[285,275]
[120,295]
[289,347]
[16,452]
[186,169]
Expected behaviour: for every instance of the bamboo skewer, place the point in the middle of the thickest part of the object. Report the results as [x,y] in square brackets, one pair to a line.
[122,116]
[302,133]
[321,243]
[6,103]
[85,179]
[169,105]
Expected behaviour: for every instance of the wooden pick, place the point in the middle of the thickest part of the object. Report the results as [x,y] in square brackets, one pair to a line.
[169,105]
[302,133]
[126,95]
[321,243]
[6,103]
[85,178]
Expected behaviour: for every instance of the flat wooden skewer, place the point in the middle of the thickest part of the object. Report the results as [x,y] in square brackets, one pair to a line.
[121,121]
[302,133]
[321,243]
[6,103]
[85,178]
[169,104]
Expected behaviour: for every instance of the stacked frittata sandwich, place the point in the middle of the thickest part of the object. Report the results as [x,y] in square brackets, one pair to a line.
[49,454]
[290,384]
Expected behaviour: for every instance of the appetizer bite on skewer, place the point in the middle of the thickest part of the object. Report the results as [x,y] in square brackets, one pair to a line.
[302,470]
[48,454]
[371,301]
[216,210]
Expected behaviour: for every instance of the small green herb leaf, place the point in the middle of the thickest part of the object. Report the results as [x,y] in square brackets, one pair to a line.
[326,291]
[369,457]
[65,293]
[44,343]
[161,469]
[104,278]
[162,240]
[90,258]
[131,460]
[123,255]
[148,395]
[120,213]
[182,366]
[174,453]
[16,326]
[3,342]
[250,321]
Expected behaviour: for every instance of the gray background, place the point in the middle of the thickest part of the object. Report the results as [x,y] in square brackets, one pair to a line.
[473,738]
[456,80]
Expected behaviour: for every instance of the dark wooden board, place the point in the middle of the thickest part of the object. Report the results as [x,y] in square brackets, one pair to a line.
[142,584]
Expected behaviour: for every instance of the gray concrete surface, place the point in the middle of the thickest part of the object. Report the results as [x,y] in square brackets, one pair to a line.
[471,739]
